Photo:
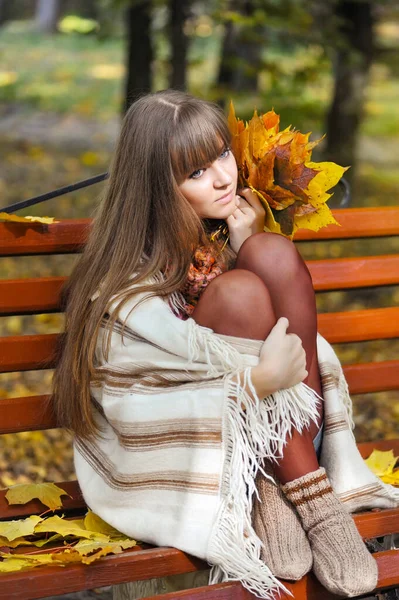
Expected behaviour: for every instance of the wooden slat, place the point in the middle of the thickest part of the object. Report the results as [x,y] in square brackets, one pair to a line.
[29,413]
[347,273]
[381,521]
[131,565]
[21,239]
[357,223]
[41,295]
[30,352]
[30,296]
[136,565]
[70,235]
[359,325]
[27,352]
[33,413]
[372,377]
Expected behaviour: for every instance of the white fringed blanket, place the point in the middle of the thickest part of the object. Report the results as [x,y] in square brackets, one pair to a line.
[182,441]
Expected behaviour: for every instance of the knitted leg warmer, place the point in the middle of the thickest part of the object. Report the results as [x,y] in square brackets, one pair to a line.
[286,550]
[341,561]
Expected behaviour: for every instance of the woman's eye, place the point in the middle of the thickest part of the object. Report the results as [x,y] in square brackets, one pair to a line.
[196,174]
[225,153]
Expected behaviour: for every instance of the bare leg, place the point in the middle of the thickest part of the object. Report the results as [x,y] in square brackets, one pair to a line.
[270,281]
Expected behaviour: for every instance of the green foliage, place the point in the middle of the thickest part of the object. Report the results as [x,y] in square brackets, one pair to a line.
[76,24]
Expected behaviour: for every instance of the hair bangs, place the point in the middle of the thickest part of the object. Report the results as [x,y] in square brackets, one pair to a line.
[198,140]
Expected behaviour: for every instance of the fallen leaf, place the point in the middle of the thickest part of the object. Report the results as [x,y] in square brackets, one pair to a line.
[11,530]
[17,219]
[49,494]
[381,462]
[69,527]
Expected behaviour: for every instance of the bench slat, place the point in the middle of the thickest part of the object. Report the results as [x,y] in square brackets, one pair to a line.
[372,524]
[30,296]
[42,295]
[65,237]
[30,352]
[349,273]
[359,325]
[32,413]
[27,352]
[357,223]
[18,239]
[136,565]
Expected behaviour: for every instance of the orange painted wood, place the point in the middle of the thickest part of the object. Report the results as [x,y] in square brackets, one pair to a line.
[21,239]
[41,295]
[366,448]
[372,377]
[74,501]
[70,235]
[136,565]
[347,273]
[24,353]
[30,296]
[131,565]
[357,223]
[33,413]
[29,413]
[359,325]
[27,352]
[377,523]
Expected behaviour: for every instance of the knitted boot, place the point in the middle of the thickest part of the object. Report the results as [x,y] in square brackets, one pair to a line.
[341,561]
[286,550]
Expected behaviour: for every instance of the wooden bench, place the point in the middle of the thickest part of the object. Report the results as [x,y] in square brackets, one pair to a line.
[35,352]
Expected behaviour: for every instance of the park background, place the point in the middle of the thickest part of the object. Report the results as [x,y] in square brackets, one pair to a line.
[69,69]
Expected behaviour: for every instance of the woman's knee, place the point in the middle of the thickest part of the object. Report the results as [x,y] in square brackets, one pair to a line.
[237,303]
[274,253]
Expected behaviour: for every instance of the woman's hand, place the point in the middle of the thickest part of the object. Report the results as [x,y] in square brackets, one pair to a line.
[248,218]
[282,361]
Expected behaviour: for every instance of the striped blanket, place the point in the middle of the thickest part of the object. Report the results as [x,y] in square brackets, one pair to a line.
[182,440]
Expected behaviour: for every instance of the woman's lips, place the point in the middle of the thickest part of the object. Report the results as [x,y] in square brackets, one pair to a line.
[225,199]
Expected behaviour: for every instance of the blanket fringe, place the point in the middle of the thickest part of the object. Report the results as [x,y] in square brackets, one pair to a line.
[253,430]
[204,339]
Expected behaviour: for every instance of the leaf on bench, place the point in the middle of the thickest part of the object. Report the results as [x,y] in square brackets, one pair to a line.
[49,494]
[382,464]
[11,530]
[28,219]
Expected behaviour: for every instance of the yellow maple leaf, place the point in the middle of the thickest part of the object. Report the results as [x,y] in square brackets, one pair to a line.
[28,219]
[69,527]
[11,530]
[85,547]
[276,164]
[381,463]
[49,494]
[392,478]
[93,522]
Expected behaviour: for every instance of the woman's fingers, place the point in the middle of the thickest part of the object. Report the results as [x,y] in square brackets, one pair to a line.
[251,199]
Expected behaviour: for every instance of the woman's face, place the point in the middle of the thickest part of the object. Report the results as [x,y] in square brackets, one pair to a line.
[211,190]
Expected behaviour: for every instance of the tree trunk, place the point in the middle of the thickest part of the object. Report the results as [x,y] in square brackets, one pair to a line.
[179,12]
[139,54]
[352,65]
[240,60]
[47,15]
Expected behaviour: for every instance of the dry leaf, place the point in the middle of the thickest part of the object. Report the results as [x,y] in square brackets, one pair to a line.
[17,219]
[69,527]
[93,522]
[381,463]
[11,530]
[49,494]
[277,166]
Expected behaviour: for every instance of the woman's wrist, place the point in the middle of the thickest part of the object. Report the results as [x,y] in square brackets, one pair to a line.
[261,381]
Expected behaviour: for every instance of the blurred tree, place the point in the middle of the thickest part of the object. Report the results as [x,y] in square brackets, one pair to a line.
[354,54]
[139,49]
[178,14]
[47,15]
[241,50]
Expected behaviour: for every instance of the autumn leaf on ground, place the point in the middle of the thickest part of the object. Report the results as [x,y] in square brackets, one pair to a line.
[382,464]
[49,494]
[17,219]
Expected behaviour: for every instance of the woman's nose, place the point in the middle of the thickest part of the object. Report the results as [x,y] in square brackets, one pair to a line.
[222,177]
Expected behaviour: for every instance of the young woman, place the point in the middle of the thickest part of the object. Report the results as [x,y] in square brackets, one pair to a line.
[189,371]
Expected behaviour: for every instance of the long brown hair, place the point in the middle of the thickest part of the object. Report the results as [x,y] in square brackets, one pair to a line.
[165,136]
